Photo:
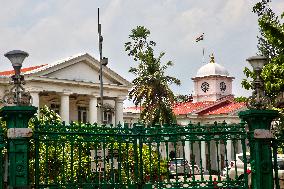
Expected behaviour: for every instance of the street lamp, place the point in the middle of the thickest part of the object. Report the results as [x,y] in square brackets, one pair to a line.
[258,100]
[17,95]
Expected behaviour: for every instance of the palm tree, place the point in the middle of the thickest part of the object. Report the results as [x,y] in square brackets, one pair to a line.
[151,85]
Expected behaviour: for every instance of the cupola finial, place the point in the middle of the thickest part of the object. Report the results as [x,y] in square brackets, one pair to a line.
[212,58]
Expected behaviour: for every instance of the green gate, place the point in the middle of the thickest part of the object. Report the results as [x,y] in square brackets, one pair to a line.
[2,157]
[278,159]
[56,155]
[93,156]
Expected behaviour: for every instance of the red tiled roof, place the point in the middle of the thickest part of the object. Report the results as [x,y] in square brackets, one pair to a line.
[200,108]
[23,70]
[189,107]
[225,108]
[134,109]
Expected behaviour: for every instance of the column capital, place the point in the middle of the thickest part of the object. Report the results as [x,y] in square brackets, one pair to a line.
[34,89]
[65,93]
[120,98]
[94,95]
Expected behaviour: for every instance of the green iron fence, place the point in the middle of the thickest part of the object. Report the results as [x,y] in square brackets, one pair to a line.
[171,156]
[278,159]
[2,157]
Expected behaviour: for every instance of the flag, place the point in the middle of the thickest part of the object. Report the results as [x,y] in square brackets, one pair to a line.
[201,37]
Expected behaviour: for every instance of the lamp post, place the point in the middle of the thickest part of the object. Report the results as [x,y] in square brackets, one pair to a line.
[258,100]
[258,119]
[17,119]
[17,94]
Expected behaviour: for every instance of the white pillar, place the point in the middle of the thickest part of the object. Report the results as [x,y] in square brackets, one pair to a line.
[119,110]
[187,151]
[35,100]
[203,154]
[64,107]
[219,154]
[229,151]
[93,110]
[163,150]
[240,147]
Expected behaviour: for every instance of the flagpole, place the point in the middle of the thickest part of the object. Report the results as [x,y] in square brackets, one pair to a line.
[201,38]
[203,55]
[203,50]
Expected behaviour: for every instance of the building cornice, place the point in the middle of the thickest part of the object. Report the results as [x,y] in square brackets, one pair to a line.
[73,82]
[212,76]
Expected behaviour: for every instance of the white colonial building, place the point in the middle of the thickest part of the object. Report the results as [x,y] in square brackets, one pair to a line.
[213,100]
[71,87]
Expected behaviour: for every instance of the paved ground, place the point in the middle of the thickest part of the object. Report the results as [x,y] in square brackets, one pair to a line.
[197,178]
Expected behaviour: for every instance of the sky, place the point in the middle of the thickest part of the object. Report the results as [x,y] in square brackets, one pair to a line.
[51,30]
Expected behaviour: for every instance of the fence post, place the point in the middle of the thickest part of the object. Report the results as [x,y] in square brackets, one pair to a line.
[259,123]
[18,133]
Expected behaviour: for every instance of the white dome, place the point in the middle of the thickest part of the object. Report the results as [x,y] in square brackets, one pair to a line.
[212,68]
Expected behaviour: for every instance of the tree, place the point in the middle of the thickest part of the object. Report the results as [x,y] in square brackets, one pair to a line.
[183,98]
[271,45]
[151,85]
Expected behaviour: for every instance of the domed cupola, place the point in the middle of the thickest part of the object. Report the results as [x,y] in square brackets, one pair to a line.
[212,69]
[212,82]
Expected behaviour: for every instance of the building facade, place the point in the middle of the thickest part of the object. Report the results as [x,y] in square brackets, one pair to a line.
[71,87]
[213,101]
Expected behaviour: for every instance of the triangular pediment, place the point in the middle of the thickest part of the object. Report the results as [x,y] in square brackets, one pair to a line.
[83,68]
[80,71]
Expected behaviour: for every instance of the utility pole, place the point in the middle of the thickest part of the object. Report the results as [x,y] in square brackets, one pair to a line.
[103,62]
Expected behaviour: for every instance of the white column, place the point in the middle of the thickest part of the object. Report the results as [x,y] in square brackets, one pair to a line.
[34,92]
[187,151]
[203,154]
[163,150]
[64,107]
[93,110]
[219,154]
[119,110]
[240,147]
[35,100]
[229,151]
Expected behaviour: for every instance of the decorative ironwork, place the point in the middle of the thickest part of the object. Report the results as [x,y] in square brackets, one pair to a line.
[17,94]
[93,156]
[258,100]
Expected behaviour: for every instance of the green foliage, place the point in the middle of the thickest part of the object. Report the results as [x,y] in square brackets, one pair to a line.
[151,85]
[183,98]
[62,153]
[46,116]
[241,99]
[271,45]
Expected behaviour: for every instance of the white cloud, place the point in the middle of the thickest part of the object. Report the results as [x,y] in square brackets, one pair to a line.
[54,29]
